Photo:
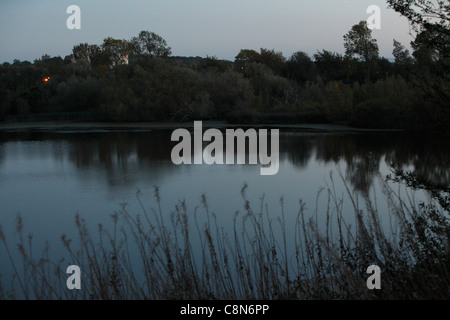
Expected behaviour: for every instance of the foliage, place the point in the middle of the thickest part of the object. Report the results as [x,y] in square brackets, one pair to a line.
[117,50]
[300,67]
[149,43]
[430,20]
[424,13]
[272,59]
[401,54]
[137,80]
[358,41]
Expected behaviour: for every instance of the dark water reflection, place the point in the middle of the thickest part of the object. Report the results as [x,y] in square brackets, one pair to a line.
[47,177]
[51,173]
[120,157]
[365,153]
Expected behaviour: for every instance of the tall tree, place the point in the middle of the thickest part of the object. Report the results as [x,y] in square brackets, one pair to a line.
[273,59]
[117,50]
[429,16]
[330,65]
[359,42]
[400,53]
[430,19]
[90,53]
[247,55]
[300,67]
[81,52]
[150,44]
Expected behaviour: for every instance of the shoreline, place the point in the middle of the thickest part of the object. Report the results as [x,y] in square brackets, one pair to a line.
[49,126]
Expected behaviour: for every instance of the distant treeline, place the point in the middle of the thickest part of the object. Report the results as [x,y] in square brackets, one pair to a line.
[139,80]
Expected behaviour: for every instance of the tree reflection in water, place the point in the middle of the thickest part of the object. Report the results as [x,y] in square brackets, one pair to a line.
[122,155]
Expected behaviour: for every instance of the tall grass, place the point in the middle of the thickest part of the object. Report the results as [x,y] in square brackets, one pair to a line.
[188,255]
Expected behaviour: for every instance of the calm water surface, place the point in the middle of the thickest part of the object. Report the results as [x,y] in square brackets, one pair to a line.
[49,176]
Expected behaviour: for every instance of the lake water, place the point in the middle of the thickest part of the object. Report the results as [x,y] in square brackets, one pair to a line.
[47,176]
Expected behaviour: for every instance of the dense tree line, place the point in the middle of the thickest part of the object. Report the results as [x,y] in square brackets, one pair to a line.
[139,80]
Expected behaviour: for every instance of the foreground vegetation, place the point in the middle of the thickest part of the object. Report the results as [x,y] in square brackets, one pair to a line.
[189,255]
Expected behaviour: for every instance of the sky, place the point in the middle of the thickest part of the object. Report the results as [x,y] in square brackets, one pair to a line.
[31,28]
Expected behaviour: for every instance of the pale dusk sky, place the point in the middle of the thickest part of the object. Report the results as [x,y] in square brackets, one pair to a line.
[31,28]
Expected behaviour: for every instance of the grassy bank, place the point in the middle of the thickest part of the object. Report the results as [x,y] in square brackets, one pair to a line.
[187,254]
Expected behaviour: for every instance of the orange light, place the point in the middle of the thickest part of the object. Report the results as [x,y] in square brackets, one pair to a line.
[46,79]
